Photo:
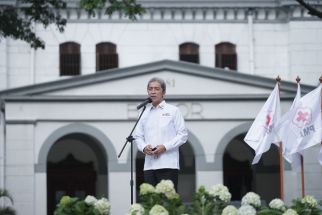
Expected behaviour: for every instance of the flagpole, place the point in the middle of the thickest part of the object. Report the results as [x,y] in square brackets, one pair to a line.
[302,176]
[320,79]
[278,80]
[302,159]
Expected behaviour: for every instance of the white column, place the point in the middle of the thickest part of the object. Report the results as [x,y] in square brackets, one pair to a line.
[120,192]
[40,194]
[251,41]
[208,178]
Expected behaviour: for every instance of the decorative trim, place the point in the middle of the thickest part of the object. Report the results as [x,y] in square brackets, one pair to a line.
[198,13]
[104,148]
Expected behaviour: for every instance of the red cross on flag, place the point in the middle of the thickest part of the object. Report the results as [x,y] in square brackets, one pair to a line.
[282,126]
[262,133]
[303,129]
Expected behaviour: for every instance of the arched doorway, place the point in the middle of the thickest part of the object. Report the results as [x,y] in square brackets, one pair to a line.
[76,166]
[240,176]
[187,173]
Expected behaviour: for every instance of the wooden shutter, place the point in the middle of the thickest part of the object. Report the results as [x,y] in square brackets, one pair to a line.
[69,58]
[106,56]
[189,52]
[226,56]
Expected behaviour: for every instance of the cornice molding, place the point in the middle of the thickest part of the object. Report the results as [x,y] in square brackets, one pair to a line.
[205,14]
[192,11]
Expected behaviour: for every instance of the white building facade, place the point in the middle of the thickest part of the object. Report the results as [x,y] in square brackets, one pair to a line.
[59,133]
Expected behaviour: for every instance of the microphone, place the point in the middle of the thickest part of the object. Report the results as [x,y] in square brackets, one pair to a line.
[146,101]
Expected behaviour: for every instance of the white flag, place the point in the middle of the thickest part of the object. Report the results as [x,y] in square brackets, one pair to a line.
[294,159]
[304,127]
[262,132]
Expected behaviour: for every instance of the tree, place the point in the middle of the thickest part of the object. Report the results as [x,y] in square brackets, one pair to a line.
[314,11]
[18,18]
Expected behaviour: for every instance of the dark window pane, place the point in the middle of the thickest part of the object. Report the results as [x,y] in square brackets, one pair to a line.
[69,58]
[189,52]
[106,56]
[226,56]
[189,58]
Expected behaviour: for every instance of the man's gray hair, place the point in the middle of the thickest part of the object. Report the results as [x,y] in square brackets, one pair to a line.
[160,81]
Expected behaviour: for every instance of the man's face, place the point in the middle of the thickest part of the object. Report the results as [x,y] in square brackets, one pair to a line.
[155,92]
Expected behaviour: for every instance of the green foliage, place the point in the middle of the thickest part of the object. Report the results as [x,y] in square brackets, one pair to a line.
[163,194]
[17,21]
[270,211]
[173,205]
[203,203]
[129,7]
[5,193]
[209,203]
[17,18]
[305,208]
[6,210]
[75,206]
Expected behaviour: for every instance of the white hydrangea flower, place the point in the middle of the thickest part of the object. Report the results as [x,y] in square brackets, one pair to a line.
[103,206]
[290,212]
[167,188]
[221,192]
[246,210]
[146,188]
[229,210]
[158,210]
[277,204]
[251,198]
[136,209]
[310,200]
[90,200]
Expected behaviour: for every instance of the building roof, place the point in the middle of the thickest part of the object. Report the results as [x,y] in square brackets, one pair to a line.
[106,84]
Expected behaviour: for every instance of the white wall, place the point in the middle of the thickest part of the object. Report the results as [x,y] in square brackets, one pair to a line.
[3,64]
[285,49]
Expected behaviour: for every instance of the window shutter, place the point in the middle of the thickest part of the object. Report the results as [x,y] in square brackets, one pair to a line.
[70,59]
[189,52]
[226,56]
[106,56]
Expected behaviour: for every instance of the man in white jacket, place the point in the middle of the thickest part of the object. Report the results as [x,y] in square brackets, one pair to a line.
[159,134]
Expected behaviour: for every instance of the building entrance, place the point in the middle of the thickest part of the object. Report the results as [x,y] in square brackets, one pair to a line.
[75,167]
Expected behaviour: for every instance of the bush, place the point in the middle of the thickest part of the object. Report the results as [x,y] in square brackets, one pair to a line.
[6,210]
[163,200]
[216,201]
[89,206]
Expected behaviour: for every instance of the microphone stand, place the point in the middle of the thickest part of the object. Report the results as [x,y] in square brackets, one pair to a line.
[130,139]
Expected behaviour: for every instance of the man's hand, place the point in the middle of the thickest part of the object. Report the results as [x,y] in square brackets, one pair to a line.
[159,150]
[148,150]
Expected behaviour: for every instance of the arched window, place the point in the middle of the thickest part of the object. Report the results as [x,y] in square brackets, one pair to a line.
[226,56]
[77,170]
[189,52]
[241,177]
[69,58]
[106,56]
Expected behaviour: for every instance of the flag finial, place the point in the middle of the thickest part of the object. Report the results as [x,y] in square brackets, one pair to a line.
[298,79]
[278,78]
